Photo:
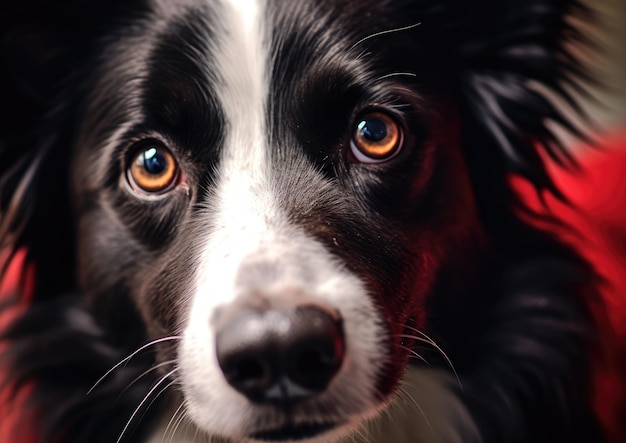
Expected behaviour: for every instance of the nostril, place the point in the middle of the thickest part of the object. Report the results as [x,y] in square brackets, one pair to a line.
[313,360]
[247,373]
[246,355]
[317,349]
[310,368]
[280,356]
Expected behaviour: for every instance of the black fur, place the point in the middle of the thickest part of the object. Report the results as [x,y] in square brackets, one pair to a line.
[509,306]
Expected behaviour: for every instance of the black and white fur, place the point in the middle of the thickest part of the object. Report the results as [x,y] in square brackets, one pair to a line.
[257,99]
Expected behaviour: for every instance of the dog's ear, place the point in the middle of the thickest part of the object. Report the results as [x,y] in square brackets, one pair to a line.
[501,56]
[43,46]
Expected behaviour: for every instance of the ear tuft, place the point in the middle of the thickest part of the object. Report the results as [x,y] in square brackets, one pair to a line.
[520,50]
[509,62]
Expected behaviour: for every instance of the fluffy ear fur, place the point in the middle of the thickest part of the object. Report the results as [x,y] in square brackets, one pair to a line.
[43,47]
[499,56]
[33,56]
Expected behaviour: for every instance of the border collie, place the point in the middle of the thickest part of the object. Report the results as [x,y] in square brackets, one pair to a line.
[264,220]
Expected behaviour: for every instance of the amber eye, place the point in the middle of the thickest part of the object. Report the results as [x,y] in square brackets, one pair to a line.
[153,169]
[377,138]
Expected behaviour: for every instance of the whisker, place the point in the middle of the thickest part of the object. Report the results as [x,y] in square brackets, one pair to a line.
[408,396]
[147,396]
[431,342]
[144,373]
[172,419]
[414,354]
[167,386]
[388,31]
[126,359]
[181,418]
[396,74]
[188,428]
[195,435]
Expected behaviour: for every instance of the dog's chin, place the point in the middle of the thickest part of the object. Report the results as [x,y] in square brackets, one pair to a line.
[302,432]
[293,427]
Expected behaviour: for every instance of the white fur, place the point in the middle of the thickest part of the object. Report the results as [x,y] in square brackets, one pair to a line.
[246,226]
[425,410]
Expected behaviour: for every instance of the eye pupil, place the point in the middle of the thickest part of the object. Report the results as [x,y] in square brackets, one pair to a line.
[377,137]
[373,129]
[153,169]
[153,161]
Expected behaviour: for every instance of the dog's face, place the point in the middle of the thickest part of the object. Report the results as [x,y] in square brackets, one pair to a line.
[270,183]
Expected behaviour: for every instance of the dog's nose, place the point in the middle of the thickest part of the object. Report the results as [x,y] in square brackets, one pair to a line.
[281,356]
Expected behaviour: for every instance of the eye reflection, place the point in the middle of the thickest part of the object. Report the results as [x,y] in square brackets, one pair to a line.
[153,170]
[377,137]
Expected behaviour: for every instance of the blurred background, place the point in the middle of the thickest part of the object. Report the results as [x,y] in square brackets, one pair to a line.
[608,109]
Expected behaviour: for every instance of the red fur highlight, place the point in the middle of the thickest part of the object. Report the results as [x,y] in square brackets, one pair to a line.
[18,280]
[595,225]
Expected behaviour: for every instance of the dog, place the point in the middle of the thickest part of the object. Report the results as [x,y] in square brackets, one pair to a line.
[289,221]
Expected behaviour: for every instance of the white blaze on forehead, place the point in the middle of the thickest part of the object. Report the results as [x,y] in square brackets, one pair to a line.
[243,203]
[243,88]
[245,225]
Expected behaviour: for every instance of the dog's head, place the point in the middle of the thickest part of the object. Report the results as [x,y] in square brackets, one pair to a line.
[260,179]
[275,188]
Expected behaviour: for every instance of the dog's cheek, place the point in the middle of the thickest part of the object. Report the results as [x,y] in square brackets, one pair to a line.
[114,264]
[108,258]
[107,253]
[164,292]
[152,222]
[438,228]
